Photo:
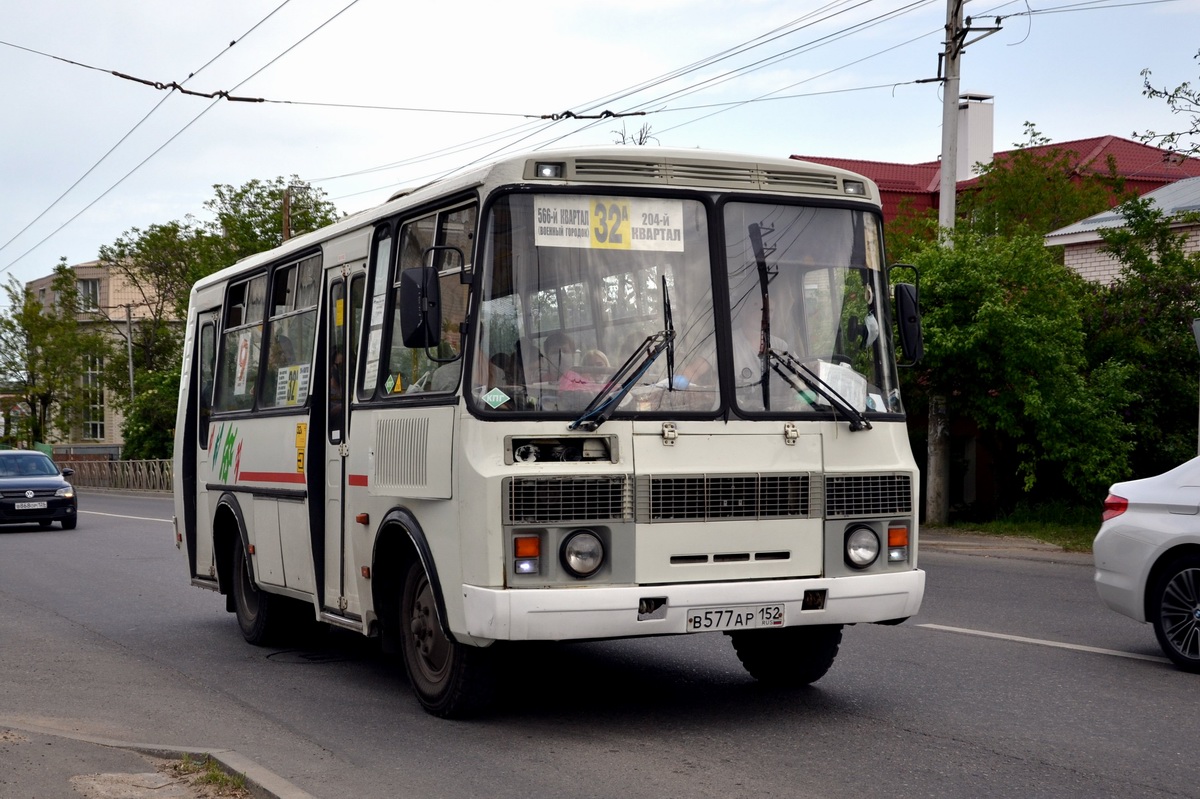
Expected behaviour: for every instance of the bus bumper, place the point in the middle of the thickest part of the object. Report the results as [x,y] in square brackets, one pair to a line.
[559,614]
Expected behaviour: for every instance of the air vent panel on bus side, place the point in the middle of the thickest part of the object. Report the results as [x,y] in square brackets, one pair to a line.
[411,453]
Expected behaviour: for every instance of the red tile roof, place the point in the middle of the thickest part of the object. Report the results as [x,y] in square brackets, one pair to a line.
[1135,161]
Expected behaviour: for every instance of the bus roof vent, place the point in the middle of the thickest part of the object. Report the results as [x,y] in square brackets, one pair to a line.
[798,181]
[702,173]
[630,171]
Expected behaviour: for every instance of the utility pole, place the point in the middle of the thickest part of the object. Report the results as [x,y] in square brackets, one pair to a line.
[937,463]
[129,347]
[287,212]
[937,454]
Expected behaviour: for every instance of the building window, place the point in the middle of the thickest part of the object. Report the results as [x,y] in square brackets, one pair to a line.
[93,392]
[88,294]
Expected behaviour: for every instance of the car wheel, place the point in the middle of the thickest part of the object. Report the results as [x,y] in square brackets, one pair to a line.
[45,525]
[450,679]
[255,609]
[68,523]
[1175,611]
[792,657]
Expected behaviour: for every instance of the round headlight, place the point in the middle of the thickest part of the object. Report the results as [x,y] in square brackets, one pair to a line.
[582,553]
[862,547]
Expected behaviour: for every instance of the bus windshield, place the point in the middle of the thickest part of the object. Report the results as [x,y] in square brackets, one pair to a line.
[573,286]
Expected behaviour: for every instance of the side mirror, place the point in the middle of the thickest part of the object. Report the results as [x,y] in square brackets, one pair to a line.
[908,322]
[67,472]
[420,308]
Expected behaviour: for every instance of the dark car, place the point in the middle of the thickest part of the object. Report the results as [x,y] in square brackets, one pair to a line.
[32,490]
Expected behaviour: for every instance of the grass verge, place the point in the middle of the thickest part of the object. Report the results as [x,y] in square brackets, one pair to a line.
[1071,528]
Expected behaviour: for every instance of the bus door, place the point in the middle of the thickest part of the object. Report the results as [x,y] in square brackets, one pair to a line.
[345,289]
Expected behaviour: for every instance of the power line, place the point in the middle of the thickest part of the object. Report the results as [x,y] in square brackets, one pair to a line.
[177,134]
[120,141]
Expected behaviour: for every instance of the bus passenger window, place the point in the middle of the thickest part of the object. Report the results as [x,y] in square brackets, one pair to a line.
[294,293]
[241,345]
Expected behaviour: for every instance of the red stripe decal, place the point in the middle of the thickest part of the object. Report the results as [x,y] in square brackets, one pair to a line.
[272,477]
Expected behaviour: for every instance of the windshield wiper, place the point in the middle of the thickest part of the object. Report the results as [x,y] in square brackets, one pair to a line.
[623,380]
[781,361]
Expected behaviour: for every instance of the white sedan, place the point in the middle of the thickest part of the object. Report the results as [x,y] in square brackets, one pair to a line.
[1148,557]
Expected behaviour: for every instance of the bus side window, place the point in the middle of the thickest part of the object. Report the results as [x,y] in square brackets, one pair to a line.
[412,370]
[241,345]
[294,293]
[336,346]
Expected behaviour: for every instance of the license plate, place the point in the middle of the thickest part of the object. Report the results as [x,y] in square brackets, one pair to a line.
[746,617]
[31,505]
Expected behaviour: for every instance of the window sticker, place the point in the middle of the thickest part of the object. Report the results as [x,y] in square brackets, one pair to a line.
[495,398]
[291,385]
[608,223]
[243,362]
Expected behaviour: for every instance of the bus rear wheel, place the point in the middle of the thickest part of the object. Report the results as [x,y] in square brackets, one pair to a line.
[255,609]
[451,680]
[791,657]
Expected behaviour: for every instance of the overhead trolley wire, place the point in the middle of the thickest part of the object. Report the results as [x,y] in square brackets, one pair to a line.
[176,135]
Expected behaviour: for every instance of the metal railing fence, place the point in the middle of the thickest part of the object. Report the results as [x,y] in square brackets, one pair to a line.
[148,475]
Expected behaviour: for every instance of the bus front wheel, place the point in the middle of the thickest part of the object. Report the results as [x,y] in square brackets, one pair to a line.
[451,680]
[791,657]
[255,609]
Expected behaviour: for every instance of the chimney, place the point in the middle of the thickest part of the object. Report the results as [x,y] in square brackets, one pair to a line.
[975,113]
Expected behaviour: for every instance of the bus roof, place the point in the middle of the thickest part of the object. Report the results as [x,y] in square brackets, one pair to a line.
[614,164]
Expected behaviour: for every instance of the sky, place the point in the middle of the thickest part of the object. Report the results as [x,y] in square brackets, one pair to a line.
[363,97]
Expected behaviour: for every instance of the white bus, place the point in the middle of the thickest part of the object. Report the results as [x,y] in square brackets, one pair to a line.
[588,394]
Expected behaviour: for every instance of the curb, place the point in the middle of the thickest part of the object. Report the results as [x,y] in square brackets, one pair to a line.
[260,780]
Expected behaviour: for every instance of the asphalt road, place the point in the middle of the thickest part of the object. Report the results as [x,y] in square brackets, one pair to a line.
[1013,681]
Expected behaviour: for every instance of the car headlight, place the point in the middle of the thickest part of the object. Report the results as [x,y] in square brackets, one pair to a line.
[862,547]
[66,492]
[582,553]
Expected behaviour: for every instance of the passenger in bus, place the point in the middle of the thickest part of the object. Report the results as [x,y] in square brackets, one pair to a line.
[557,356]
[594,358]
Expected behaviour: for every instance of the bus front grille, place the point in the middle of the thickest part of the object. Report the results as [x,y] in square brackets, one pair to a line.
[708,497]
[555,500]
[855,495]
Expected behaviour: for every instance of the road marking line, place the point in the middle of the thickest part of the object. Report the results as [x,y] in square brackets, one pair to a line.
[1040,642]
[123,516]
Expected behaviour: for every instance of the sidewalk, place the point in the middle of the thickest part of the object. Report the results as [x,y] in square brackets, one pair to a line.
[41,763]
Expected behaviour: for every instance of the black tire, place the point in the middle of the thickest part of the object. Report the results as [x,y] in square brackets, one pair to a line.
[791,657]
[257,611]
[46,524]
[68,523]
[1175,611]
[451,680]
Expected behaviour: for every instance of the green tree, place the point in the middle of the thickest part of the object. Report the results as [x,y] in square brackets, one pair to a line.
[1145,319]
[162,262]
[249,219]
[1037,190]
[150,421]
[1004,345]
[44,352]
[1183,101]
